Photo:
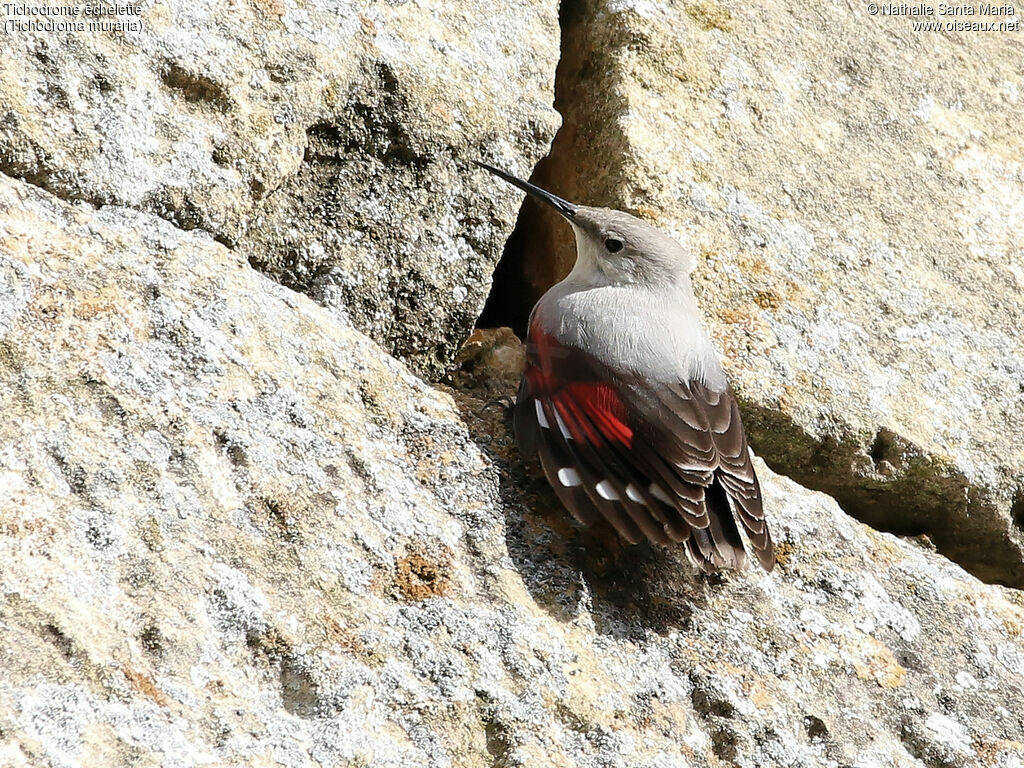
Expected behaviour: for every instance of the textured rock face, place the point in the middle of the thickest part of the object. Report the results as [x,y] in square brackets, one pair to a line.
[328,142]
[235,532]
[854,192]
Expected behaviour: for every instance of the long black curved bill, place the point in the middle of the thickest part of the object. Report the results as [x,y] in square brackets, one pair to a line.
[564,207]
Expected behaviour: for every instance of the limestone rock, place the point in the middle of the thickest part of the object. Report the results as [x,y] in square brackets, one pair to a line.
[854,191]
[235,532]
[328,141]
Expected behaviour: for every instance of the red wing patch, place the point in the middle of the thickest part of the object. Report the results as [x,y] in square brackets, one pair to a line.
[604,408]
[551,376]
[665,461]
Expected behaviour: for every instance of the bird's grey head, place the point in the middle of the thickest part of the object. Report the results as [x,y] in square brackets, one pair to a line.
[627,249]
[614,246]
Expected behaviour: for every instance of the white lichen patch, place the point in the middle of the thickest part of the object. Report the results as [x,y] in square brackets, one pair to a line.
[242,532]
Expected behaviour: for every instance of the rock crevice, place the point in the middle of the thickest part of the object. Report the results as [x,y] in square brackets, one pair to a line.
[872,359]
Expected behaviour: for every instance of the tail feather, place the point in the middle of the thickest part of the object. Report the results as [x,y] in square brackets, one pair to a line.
[722,528]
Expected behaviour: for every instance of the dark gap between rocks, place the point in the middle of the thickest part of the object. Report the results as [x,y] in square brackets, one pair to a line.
[541,251]
[47,179]
[1017,511]
[889,484]
[906,492]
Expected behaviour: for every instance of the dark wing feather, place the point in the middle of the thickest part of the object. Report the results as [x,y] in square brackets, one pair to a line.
[554,454]
[662,461]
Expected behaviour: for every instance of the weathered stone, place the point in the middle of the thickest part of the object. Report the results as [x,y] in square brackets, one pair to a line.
[854,190]
[235,532]
[321,139]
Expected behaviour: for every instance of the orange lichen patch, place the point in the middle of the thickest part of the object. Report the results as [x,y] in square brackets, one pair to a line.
[786,401]
[744,317]
[753,265]
[28,527]
[990,752]
[711,16]
[733,316]
[441,111]
[874,661]
[760,696]
[341,637]
[144,684]
[783,553]
[272,8]
[368,26]
[769,300]
[884,553]
[645,211]
[1013,627]
[707,253]
[795,293]
[419,577]
[740,673]
[753,687]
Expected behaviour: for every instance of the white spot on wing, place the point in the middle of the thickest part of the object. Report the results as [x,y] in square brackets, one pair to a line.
[606,491]
[561,425]
[634,494]
[691,467]
[569,477]
[658,493]
[541,418]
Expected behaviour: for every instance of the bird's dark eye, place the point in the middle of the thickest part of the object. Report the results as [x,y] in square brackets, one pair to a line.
[613,245]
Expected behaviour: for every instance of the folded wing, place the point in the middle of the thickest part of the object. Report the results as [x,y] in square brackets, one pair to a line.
[666,461]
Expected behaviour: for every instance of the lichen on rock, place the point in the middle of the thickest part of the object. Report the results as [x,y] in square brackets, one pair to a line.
[239,528]
[318,140]
[236,532]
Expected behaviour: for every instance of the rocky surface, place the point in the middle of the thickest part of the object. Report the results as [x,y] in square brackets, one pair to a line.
[235,532]
[854,190]
[327,141]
